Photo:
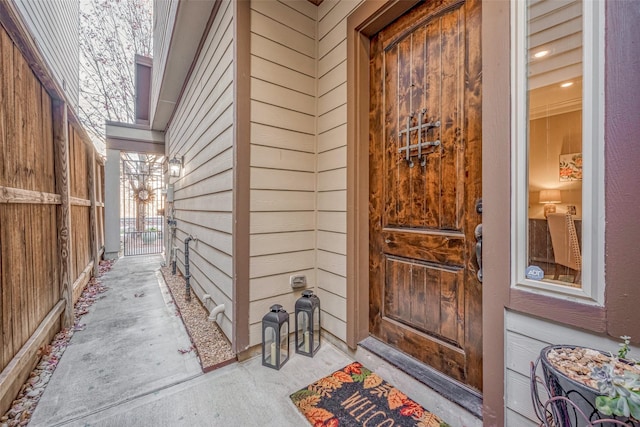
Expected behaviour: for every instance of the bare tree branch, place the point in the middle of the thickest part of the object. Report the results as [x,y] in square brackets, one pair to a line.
[111,34]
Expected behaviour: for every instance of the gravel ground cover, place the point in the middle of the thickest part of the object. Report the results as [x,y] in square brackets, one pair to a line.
[209,342]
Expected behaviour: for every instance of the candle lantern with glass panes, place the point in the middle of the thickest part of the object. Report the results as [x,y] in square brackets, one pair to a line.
[275,337]
[307,324]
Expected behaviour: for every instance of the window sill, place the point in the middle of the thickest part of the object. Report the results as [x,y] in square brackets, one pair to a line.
[584,316]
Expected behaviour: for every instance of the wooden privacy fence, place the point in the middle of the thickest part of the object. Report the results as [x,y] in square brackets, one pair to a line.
[51,214]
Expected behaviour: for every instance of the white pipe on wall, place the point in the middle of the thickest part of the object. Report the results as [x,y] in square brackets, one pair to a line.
[213,314]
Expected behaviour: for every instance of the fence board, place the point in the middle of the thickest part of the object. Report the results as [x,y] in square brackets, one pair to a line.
[16,195]
[63,214]
[80,229]
[44,164]
[49,184]
[78,158]
[6,114]
[27,273]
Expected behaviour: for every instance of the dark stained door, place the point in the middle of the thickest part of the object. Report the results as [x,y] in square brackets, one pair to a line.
[425,297]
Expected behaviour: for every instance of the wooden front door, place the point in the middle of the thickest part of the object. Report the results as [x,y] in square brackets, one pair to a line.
[425,181]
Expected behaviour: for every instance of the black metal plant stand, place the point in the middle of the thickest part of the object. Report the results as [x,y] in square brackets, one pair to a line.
[553,410]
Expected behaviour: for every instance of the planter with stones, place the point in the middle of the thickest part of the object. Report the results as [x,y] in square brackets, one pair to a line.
[572,389]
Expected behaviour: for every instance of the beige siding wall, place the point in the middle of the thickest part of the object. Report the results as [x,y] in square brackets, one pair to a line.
[202,131]
[283,135]
[524,338]
[164,15]
[54,26]
[332,162]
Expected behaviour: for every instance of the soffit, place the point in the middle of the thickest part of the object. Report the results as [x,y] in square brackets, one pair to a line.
[188,29]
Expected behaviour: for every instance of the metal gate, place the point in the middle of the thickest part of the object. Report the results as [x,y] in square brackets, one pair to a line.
[142,209]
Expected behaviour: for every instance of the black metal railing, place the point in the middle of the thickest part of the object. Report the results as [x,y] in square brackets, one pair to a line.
[142,242]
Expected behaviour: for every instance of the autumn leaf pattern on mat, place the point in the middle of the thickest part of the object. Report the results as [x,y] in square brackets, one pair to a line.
[355,396]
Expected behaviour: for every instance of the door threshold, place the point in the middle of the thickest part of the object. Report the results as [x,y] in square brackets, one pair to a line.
[447,387]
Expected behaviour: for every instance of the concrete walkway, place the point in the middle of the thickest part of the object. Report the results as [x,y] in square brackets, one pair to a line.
[125,367]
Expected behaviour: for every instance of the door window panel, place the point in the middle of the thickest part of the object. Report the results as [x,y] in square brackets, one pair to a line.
[554,139]
[558,149]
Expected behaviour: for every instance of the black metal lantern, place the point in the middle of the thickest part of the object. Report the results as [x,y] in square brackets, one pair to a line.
[308,324]
[275,337]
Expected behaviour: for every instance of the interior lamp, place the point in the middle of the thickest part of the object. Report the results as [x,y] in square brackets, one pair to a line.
[549,198]
[175,165]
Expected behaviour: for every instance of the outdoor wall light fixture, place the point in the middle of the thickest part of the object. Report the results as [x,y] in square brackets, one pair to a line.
[175,165]
[307,324]
[275,337]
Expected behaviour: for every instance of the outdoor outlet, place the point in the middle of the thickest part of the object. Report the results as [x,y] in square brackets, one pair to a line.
[298,281]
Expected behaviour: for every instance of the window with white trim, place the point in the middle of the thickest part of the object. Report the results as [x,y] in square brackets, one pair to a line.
[558,148]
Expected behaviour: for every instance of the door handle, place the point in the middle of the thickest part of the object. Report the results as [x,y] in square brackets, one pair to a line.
[478,234]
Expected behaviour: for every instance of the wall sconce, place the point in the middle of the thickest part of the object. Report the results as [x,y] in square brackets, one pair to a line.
[175,166]
[549,198]
[275,337]
[307,324]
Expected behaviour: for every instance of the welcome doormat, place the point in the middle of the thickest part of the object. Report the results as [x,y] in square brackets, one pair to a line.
[355,396]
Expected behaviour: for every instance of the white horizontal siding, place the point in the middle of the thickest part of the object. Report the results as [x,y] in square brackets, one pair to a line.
[282,97]
[270,136]
[286,57]
[332,221]
[332,242]
[55,29]
[271,179]
[270,265]
[332,179]
[277,158]
[284,118]
[524,338]
[202,131]
[279,222]
[276,27]
[274,201]
[278,74]
[331,161]
[283,145]
[276,243]
[332,282]
[332,138]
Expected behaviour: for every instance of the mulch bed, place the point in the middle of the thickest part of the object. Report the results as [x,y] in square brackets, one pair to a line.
[208,341]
